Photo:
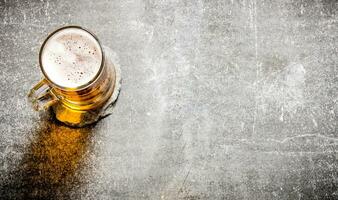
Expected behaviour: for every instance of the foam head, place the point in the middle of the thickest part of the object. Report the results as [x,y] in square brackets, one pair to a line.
[71,57]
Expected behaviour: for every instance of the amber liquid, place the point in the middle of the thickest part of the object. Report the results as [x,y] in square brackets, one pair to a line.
[81,107]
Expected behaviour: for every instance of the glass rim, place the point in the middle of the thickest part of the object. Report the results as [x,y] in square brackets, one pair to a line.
[83,86]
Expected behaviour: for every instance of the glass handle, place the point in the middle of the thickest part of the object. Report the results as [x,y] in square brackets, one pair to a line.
[41,96]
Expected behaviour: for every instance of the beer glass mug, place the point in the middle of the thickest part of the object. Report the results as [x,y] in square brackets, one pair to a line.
[78,77]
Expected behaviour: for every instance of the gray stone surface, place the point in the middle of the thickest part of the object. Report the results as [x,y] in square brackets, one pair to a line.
[219,100]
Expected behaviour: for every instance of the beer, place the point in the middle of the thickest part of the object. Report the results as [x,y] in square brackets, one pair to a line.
[71,58]
[79,78]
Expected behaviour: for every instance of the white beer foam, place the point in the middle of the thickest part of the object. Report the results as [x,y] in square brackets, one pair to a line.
[71,57]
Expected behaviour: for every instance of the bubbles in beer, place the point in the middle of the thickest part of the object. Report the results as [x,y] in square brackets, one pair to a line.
[71,57]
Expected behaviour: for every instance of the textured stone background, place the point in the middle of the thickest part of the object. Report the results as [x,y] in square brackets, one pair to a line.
[220,100]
